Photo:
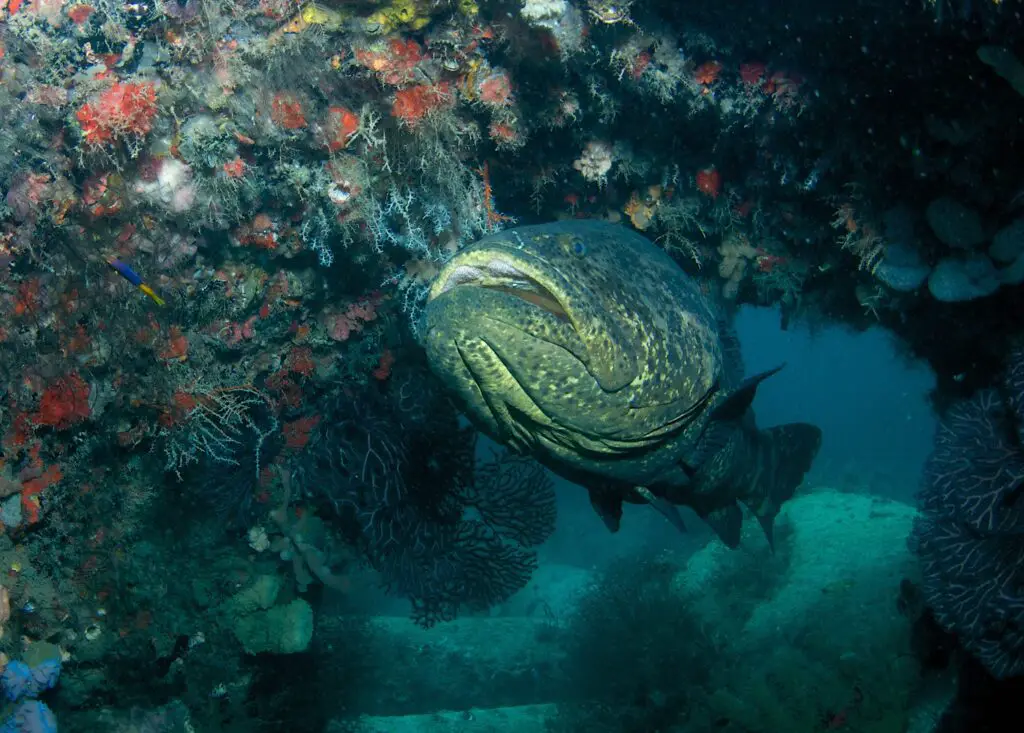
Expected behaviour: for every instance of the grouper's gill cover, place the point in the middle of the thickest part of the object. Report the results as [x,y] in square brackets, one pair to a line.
[586,345]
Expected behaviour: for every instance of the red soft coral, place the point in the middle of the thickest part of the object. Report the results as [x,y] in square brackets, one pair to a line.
[64,403]
[31,490]
[120,112]
[413,104]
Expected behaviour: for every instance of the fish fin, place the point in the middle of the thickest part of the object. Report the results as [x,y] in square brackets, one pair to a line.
[738,402]
[149,291]
[727,523]
[784,455]
[608,505]
[664,507]
[767,523]
[715,437]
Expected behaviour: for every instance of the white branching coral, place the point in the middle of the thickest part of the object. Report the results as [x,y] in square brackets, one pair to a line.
[595,161]
[545,13]
[561,18]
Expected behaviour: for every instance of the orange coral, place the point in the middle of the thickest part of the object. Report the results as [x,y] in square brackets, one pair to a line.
[182,405]
[495,89]
[394,62]
[709,182]
[286,111]
[504,135]
[17,434]
[384,364]
[64,403]
[494,218]
[31,490]
[707,73]
[176,348]
[413,104]
[297,432]
[261,233]
[341,125]
[80,341]
[79,13]
[122,111]
[235,168]
[28,298]
[300,361]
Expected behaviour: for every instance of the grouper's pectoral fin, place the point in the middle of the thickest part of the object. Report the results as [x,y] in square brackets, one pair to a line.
[782,458]
[664,507]
[738,402]
[608,505]
[722,422]
[727,524]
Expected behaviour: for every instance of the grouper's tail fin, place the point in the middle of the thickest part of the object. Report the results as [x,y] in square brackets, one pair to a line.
[783,455]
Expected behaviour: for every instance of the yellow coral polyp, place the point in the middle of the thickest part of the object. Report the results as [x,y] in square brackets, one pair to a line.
[315,14]
[405,14]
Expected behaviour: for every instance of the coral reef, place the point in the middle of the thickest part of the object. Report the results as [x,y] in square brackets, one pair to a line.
[218,224]
[400,479]
[969,534]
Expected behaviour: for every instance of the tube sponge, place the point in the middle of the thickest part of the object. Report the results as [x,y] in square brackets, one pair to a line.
[958,279]
[1004,63]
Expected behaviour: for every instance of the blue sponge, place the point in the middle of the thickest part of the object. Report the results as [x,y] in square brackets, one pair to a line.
[24,683]
[31,716]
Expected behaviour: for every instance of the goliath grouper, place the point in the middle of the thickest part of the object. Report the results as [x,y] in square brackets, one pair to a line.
[585,345]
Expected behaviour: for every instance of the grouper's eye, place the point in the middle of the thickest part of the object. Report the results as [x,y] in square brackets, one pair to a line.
[579,248]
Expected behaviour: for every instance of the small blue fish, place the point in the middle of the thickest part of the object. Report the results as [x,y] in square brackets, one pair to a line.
[134,278]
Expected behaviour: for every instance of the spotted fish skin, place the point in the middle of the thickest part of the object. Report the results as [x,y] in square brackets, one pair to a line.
[585,345]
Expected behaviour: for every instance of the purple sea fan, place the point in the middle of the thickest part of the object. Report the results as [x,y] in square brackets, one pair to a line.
[970,532]
[976,468]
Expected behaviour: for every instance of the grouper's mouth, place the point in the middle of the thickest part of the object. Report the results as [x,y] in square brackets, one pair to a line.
[502,276]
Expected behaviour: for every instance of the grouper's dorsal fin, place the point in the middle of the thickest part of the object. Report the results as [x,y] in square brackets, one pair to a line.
[738,402]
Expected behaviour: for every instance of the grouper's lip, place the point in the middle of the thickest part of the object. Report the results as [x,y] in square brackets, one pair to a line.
[500,273]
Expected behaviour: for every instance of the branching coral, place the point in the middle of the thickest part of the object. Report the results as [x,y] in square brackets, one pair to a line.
[398,476]
[213,425]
